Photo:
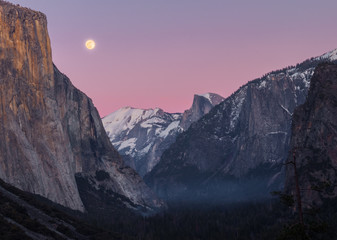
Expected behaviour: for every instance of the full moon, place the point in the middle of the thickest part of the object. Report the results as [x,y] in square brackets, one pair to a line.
[90,44]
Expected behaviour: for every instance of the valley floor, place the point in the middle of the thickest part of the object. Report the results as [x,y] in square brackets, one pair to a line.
[27,216]
[260,220]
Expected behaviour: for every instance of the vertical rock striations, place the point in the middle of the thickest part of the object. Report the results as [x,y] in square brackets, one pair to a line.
[30,120]
[50,131]
[314,139]
[201,105]
[237,150]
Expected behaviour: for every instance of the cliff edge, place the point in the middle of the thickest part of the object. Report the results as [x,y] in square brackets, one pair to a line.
[51,135]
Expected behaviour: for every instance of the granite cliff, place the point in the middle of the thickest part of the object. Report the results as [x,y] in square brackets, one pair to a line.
[52,139]
[314,140]
[202,104]
[237,150]
[142,135]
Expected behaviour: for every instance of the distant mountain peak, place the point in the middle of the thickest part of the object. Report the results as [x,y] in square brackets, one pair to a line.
[330,56]
[213,98]
[202,104]
[245,137]
[141,135]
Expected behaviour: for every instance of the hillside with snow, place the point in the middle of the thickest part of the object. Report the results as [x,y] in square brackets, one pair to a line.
[142,135]
[237,151]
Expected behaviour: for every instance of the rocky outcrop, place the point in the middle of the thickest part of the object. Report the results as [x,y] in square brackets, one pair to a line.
[202,104]
[50,131]
[314,140]
[237,150]
[142,135]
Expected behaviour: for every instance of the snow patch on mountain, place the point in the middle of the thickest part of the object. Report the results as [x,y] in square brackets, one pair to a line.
[206,95]
[213,98]
[152,121]
[130,144]
[174,125]
[237,103]
[145,150]
[262,85]
[332,55]
[125,118]
[144,134]
[303,76]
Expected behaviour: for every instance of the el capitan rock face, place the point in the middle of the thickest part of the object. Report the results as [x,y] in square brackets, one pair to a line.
[314,139]
[142,135]
[237,150]
[51,133]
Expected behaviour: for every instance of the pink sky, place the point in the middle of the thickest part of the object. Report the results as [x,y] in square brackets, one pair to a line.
[155,53]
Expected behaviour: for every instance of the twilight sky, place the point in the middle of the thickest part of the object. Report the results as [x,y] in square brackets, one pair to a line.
[158,53]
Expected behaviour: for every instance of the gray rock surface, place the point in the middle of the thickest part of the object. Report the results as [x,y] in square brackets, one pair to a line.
[314,140]
[201,105]
[50,131]
[141,136]
[236,151]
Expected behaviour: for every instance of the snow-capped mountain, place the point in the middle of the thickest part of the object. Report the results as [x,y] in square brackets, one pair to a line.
[238,148]
[139,135]
[142,135]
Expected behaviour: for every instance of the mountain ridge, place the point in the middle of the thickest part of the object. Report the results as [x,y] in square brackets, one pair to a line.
[141,135]
[250,128]
[314,138]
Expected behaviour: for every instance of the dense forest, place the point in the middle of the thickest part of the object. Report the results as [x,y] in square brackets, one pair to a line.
[272,218]
[269,219]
